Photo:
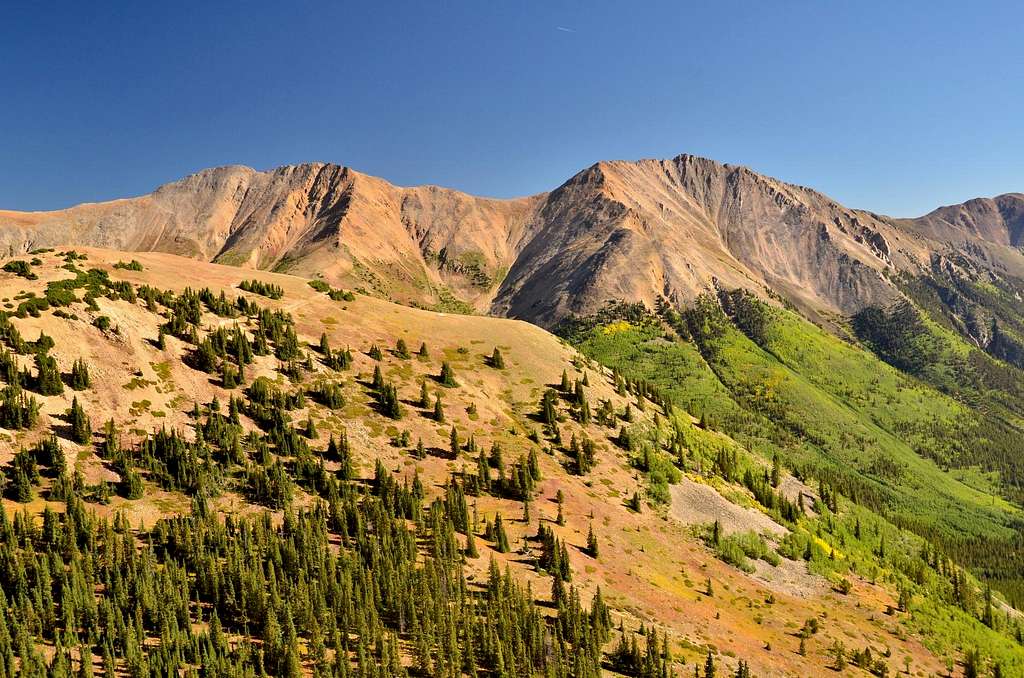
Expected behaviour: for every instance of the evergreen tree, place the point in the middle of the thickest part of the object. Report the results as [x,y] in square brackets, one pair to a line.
[454,444]
[447,376]
[79,375]
[47,381]
[500,536]
[23,491]
[131,485]
[592,547]
[709,666]
[81,429]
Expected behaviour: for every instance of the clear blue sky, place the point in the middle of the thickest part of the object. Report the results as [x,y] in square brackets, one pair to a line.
[894,107]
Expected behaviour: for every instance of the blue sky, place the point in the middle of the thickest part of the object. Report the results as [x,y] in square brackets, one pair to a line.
[893,107]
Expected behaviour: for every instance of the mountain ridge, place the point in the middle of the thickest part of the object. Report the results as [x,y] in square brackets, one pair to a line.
[630,230]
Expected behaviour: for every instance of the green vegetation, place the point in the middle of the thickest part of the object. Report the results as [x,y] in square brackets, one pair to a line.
[269,290]
[740,548]
[334,294]
[20,268]
[840,417]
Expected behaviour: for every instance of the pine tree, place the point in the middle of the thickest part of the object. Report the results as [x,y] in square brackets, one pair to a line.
[131,486]
[471,551]
[447,376]
[438,409]
[401,350]
[500,537]
[81,429]
[22,487]
[453,441]
[497,360]
[79,375]
[592,547]
[709,666]
[48,381]
[228,376]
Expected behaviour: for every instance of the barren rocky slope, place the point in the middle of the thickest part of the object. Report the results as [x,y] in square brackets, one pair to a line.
[617,230]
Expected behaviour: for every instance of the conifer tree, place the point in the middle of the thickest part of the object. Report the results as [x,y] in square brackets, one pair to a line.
[131,485]
[500,536]
[79,375]
[81,429]
[48,381]
[401,350]
[22,486]
[497,360]
[592,547]
[453,441]
[447,376]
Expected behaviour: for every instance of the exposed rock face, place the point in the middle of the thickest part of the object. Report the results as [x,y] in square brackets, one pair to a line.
[638,230]
[997,220]
[311,219]
[617,230]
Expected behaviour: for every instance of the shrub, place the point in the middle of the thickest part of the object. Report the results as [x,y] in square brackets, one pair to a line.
[737,549]
[20,268]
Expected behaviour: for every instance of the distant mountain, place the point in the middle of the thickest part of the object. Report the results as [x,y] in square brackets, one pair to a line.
[636,231]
